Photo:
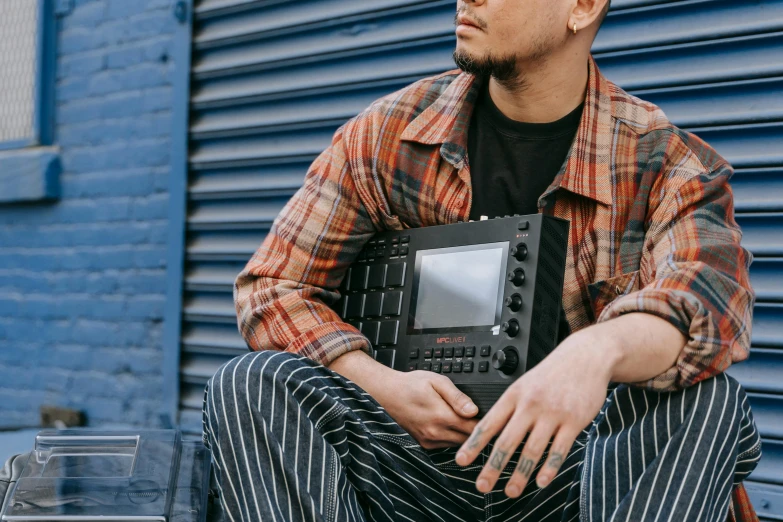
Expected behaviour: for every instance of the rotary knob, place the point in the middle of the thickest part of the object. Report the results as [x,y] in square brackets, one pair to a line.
[511,327]
[514,303]
[506,360]
[519,252]
[517,277]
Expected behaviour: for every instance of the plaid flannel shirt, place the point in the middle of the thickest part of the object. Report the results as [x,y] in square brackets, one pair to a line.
[651,212]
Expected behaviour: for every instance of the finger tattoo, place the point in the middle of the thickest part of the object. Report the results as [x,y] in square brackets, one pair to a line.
[497,459]
[525,467]
[555,460]
[475,438]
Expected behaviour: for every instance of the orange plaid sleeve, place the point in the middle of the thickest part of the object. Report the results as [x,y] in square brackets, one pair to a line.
[283,295]
[694,272]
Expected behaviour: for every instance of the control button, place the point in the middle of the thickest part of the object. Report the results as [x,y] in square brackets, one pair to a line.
[517,277]
[372,242]
[514,303]
[346,280]
[403,250]
[354,305]
[405,239]
[457,367]
[426,366]
[511,327]
[459,351]
[381,242]
[436,367]
[448,352]
[358,278]
[447,367]
[379,252]
[438,352]
[392,303]
[428,353]
[395,251]
[395,275]
[372,304]
[370,330]
[377,276]
[413,366]
[362,256]
[485,350]
[467,367]
[523,225]
[395,241]
[388,332]
[483,366]
[414,354]
[519,252]
[385,357]
[470,351]
[505,360]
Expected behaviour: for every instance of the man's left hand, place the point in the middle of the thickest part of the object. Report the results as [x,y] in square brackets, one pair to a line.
[555,400]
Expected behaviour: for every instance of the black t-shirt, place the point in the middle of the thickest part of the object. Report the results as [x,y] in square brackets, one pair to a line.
[512,163]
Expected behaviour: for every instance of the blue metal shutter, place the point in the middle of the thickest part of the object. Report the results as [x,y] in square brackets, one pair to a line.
[271,81]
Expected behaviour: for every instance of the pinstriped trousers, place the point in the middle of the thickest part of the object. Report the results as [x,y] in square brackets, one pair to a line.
[293,441]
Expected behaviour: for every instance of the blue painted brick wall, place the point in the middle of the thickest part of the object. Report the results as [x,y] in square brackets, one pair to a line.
[82,280]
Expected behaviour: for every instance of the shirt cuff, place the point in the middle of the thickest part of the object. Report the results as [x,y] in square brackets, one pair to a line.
[328,341]
[705,354]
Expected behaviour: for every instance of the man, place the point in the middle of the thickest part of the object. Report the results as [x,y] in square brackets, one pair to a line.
[656,294]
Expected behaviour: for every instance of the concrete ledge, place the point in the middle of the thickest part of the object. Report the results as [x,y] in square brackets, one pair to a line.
[28,175]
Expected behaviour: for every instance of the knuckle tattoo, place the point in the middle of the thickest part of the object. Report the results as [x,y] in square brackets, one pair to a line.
[498,458]
[555,460]
[475,438]
[525,467]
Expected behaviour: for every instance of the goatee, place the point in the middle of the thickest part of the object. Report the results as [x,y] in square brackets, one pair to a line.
[503,69]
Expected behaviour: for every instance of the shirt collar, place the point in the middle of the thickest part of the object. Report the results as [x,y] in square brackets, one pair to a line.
[587,169]
[447,119]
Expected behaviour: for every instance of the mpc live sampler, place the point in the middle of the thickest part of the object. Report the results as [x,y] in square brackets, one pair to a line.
[478,302]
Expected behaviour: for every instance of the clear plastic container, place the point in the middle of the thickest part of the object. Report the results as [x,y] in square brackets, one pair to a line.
[81,475]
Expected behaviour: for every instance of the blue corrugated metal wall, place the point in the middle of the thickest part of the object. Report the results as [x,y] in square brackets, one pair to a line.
[271,81]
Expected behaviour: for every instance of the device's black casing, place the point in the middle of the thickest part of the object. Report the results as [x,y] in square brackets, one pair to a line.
[382,271]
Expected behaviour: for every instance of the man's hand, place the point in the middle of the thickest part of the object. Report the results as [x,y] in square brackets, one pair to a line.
[425,404]
[558,398]
[430,408]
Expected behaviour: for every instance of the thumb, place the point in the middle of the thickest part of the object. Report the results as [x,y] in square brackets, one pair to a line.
[458,401]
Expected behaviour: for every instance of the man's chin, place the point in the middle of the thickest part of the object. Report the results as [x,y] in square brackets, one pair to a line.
[485,65]
[468,50]
[466,60]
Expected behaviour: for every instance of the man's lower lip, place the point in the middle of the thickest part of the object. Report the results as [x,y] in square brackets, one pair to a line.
[465,28]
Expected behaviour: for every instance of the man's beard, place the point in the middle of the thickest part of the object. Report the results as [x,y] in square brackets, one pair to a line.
[505,70]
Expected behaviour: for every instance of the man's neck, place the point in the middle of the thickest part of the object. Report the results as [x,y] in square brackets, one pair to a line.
[551,90]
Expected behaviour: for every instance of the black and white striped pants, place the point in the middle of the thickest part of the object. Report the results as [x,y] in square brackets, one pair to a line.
[291,440]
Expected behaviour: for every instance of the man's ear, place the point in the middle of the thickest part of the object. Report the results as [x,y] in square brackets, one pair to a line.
[586,13]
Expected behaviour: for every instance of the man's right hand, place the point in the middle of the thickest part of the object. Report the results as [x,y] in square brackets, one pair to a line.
[427,405]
